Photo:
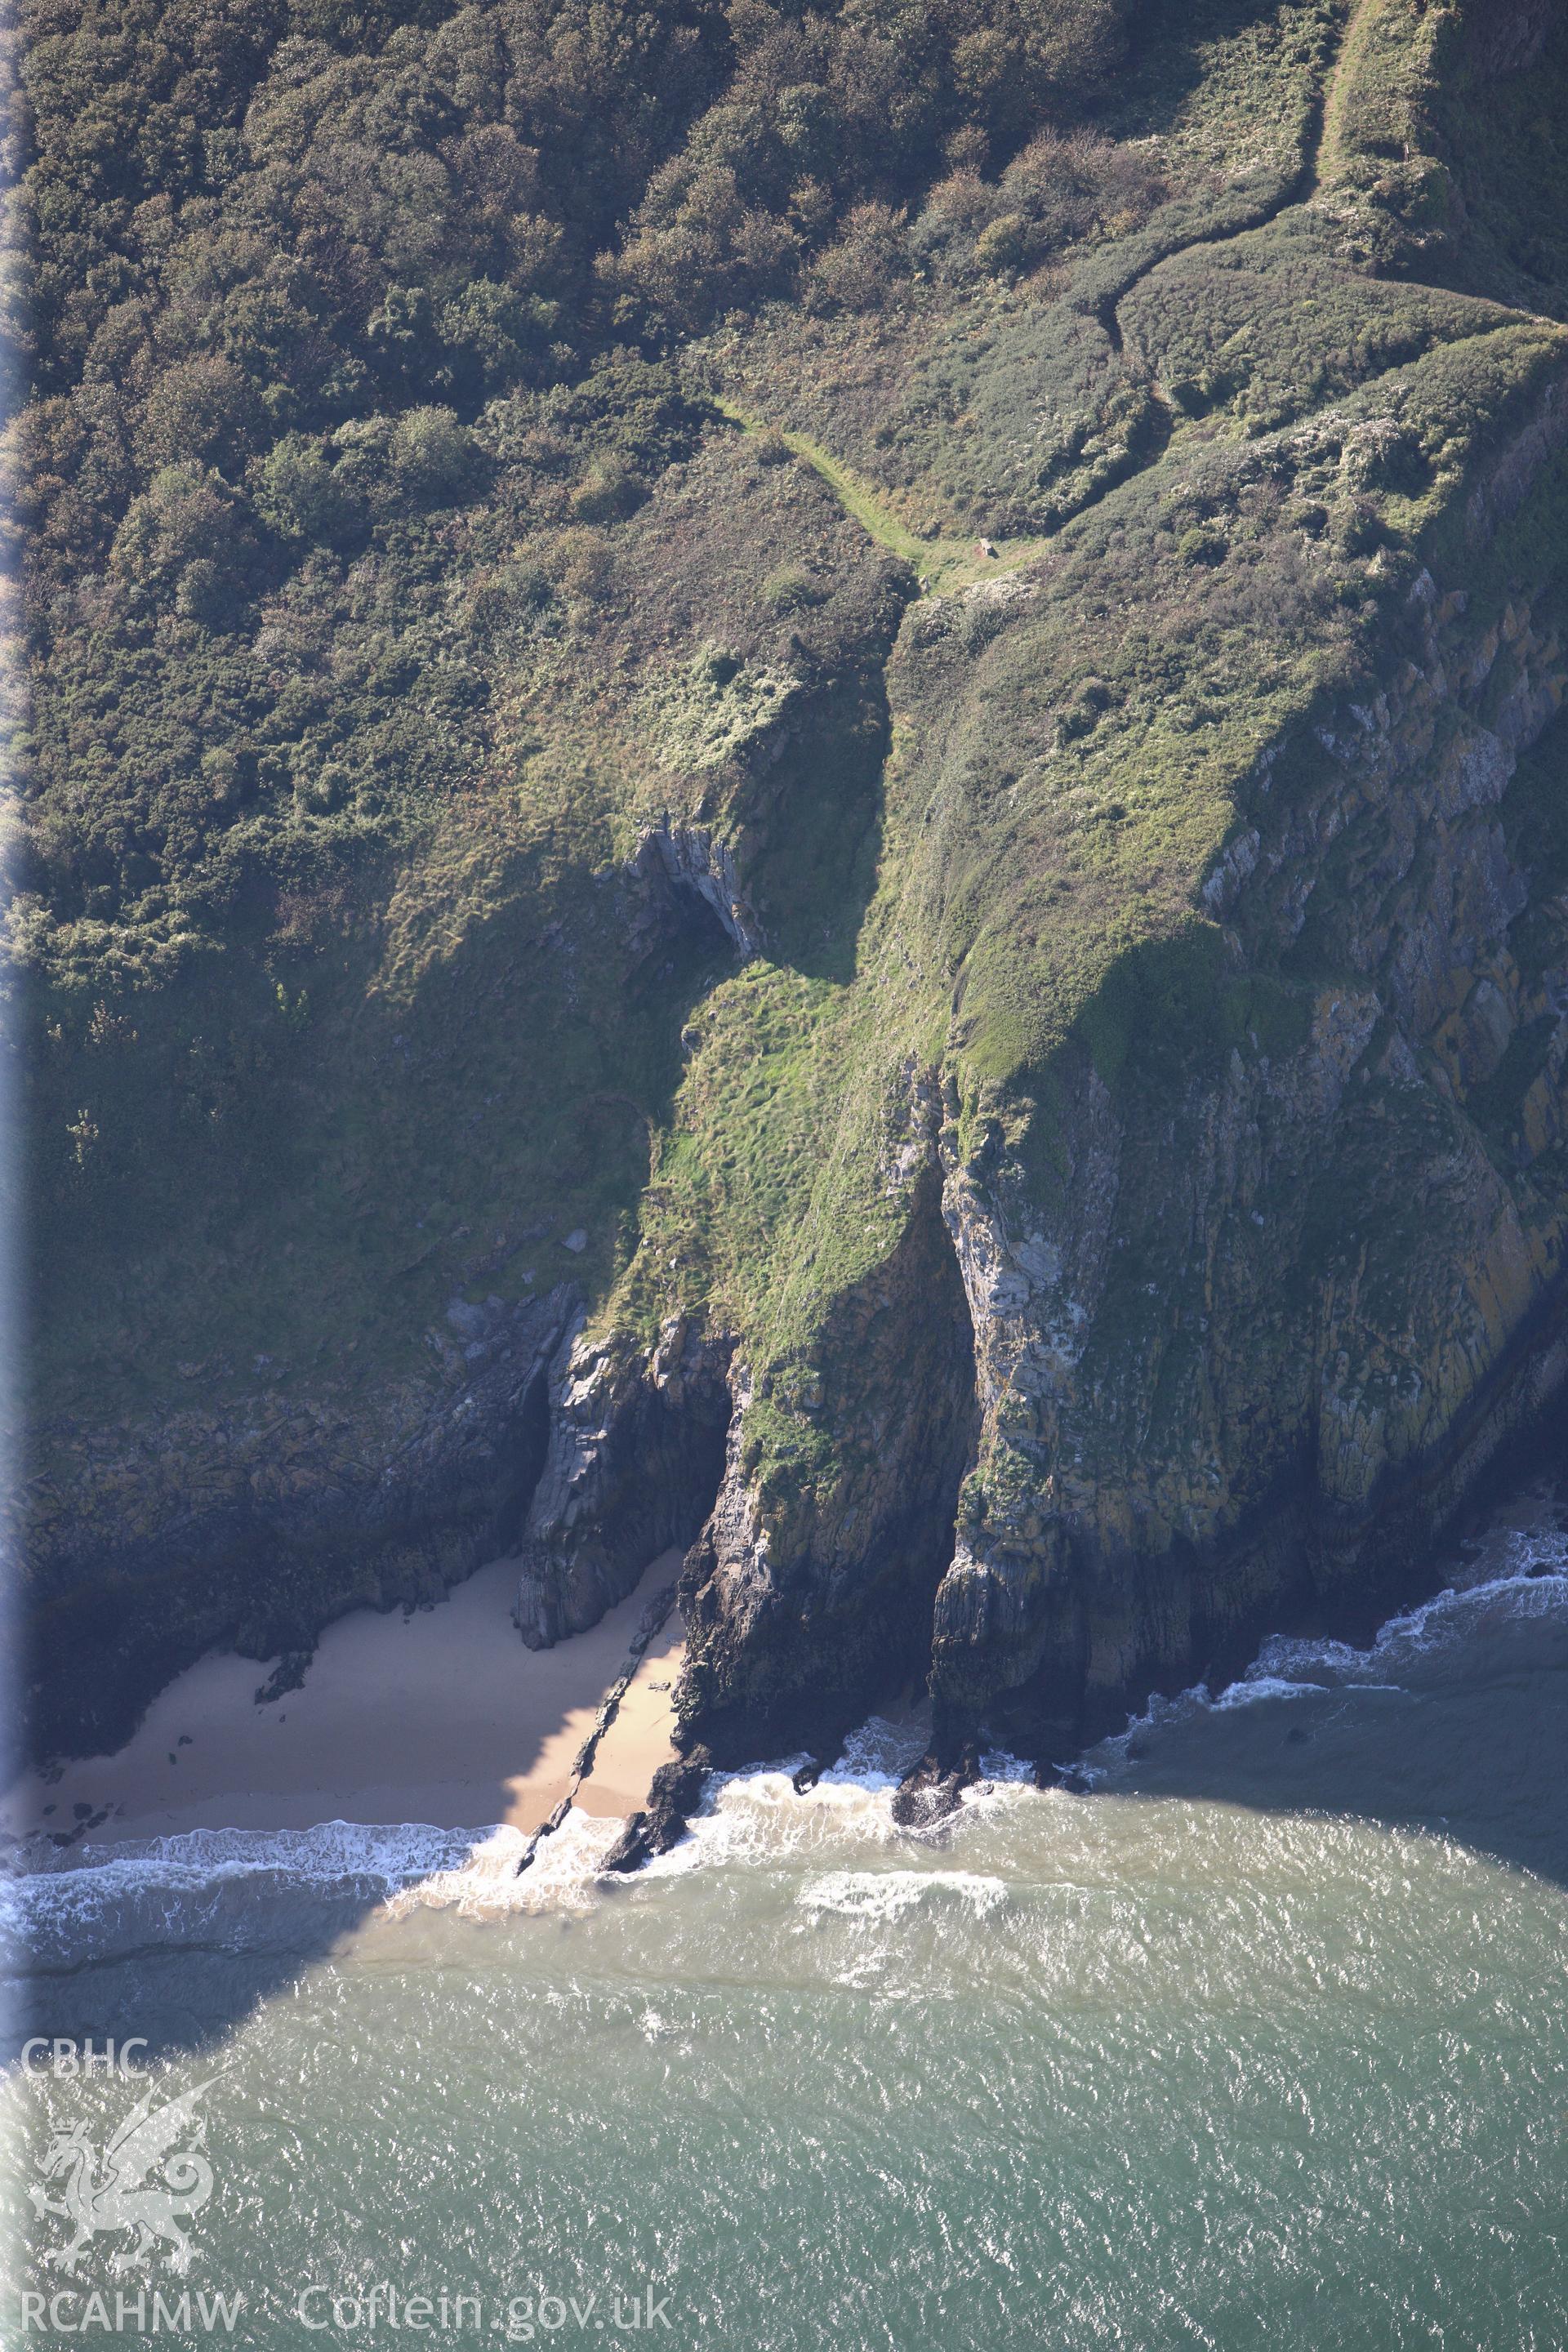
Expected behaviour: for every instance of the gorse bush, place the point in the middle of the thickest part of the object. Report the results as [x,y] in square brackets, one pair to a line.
[791,589]
[434,457]
[608,488]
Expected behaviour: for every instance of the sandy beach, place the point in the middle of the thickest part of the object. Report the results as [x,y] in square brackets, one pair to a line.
[441,1717]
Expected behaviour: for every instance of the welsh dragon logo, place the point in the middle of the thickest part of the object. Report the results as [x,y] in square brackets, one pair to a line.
[118,2195]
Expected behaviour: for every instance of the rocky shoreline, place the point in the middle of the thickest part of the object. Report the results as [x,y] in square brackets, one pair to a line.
[1192,1290]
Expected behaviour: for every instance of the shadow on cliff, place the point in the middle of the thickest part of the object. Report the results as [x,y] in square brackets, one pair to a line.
[814,865]
[1174,44]
[1460,1730]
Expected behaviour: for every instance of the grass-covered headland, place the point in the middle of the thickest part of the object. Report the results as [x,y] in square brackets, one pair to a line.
[799,690]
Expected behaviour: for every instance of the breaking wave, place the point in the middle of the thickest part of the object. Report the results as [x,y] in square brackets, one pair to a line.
[889,1893]
[211,1886]
[1411,1650]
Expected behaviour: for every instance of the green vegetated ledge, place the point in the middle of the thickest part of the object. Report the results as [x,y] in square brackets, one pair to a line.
[1135,997]
[551,864]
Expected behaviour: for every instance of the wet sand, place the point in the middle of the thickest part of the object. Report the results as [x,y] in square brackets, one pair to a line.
[441,1717]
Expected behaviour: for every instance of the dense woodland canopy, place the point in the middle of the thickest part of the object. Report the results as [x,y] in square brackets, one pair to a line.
[289,279]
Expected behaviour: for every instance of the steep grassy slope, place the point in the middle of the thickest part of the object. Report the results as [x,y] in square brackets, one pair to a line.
[573,900]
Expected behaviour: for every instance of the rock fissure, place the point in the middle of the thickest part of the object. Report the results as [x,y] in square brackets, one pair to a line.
[636,1449]
[811,1601]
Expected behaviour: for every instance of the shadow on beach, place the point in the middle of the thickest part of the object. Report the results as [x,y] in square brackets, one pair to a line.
[163,1894]
[1453,1722]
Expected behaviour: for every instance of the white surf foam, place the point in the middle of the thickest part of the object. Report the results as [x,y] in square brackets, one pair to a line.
[99,1896]
[882,1895]
[1535,1587]
[1451,1619]
[102,1897]
[88,1894]
[566,1873]
[189,1883]
[329,1853]
[1254,1686]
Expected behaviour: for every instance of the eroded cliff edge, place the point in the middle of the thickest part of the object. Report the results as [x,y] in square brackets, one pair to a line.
[1245,1109]
[1013,1083]
[1219,1327]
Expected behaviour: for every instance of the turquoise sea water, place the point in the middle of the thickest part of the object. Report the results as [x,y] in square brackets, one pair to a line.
[1261,2041]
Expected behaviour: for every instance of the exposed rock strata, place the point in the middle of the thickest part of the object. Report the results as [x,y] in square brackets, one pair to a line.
[1244,1343]
[637,1448]
[1238,1344]
[1508,36]
[1270,1320]
[632,1462]
[680,859]
[1206,1314]
[805,1601]
[1238,1347]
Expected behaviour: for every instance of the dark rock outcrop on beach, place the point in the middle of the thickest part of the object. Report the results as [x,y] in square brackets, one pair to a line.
[673,1796]
[933,1790]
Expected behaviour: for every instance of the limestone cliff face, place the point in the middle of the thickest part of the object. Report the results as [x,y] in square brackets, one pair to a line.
[634,1457]
[1244,1336]
[1269,1319]
[813,1586]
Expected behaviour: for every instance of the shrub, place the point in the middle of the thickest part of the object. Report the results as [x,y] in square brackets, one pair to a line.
[869,261]
[608,488]
[300,495]
[495,335]
[198,413]
[180,519]
[1003,246]
[205,595]
[364,462]
[322,790]
[583,563]
[1202,544]
[226,775]
[402,334]
[434,459]
[790,589]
